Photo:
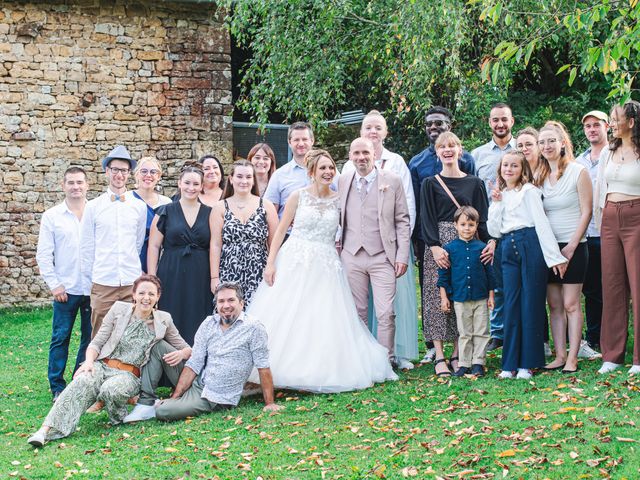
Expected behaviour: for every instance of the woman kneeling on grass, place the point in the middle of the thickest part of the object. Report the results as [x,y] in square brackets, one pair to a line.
[121,347]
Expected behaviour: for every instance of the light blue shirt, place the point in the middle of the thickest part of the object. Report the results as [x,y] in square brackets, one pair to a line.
[592,168]
[487,158]
[286,180]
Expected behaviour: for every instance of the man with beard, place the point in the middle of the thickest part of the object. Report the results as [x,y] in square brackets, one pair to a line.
[227,346]
[427,164]
[486,159]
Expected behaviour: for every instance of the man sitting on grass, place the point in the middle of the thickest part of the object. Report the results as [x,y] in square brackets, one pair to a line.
[226,348]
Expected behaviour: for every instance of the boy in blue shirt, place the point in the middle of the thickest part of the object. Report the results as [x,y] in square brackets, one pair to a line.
[470,285]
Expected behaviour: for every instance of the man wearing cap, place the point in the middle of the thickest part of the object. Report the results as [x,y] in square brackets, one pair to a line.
[595,125]
[112,234]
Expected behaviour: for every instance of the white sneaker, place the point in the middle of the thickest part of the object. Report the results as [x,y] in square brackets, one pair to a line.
[429,356]
[404,364]
[140,413]
[608,367]
[587,352]
[547,350]
[505,374]
[524,374]
[635,369]
[38,439]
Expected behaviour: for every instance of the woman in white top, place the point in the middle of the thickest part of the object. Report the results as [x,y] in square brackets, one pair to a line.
[147,175]
[529,249]
[374,127]
[567,199]
[618,210]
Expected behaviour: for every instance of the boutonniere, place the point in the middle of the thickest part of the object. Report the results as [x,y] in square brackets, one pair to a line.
[383,188]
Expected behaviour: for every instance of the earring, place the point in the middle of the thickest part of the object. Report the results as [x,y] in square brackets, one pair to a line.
[562,152]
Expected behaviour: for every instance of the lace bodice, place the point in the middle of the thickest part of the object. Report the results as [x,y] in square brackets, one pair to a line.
[316,219]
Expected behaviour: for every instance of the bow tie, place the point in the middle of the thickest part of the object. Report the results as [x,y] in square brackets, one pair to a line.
[115,198]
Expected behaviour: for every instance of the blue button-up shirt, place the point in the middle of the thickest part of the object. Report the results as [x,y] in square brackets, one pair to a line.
[427,164]
[486,158]
[467,279]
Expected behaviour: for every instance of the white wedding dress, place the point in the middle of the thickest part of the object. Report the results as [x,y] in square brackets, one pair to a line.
[317,342]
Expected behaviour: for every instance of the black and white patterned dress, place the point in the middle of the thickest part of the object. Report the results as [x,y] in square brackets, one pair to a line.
[244,250]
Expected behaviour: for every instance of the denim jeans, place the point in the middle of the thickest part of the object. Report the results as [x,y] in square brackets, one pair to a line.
[496,318]
[64,316]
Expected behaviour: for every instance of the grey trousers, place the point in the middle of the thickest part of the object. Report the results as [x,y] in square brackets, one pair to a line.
[190,404]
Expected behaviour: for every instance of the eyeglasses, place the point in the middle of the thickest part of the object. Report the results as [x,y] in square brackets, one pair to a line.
[116,171]
[551,141]
[436,123]
[145,171]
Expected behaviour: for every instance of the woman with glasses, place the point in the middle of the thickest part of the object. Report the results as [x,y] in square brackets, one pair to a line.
[567,201]
[147,175]
[181,231]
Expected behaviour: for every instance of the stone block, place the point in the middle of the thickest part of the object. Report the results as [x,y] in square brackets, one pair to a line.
[191,83]
[150,55]
[13,178]
[162,134]
[156,99]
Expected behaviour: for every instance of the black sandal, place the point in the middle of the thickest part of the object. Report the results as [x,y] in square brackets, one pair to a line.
[442,374]
[454,359]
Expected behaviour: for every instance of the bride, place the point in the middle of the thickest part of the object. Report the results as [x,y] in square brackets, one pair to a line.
[317,342]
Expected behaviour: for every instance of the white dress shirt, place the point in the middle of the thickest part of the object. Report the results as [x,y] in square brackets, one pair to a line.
[112,235]
[396,164]
[58,253]
[521,209]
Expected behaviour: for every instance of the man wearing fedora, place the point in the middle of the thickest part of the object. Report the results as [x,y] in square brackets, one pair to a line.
[112,235]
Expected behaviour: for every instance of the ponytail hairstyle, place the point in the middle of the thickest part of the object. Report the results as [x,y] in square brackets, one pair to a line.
[542,167]
[228,189]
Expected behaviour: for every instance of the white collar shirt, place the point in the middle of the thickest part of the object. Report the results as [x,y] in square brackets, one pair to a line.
[58,250]
[370,178]
[112,235]
[592,168]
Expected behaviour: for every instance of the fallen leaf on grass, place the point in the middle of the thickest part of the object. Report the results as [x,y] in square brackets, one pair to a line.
[507,453]
[626,440]
[409,472]
[170,450]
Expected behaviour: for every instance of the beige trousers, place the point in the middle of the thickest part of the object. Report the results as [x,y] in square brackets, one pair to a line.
[472,318]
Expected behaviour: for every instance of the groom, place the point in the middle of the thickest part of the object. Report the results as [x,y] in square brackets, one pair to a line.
[375,237]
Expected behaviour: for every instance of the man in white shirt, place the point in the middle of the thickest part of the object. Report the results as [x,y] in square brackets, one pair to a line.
[112,235]
[59,263]
[595,125]
[486,158]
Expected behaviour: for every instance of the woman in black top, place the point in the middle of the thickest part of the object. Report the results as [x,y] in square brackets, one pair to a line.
[437,230]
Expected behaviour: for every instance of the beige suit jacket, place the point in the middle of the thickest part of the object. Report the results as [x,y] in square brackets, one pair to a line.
[116,321]
[393,214]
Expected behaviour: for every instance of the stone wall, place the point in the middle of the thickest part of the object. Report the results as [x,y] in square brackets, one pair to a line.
[77,78]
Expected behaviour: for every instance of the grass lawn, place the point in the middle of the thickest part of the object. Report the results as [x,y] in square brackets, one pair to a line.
[555,426]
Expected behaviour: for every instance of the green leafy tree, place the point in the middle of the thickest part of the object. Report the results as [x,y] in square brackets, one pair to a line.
[594,36]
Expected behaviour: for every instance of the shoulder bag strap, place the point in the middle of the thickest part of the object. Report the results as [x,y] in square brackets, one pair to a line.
[446,189]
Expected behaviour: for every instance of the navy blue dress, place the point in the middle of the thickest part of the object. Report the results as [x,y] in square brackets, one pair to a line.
[184,269]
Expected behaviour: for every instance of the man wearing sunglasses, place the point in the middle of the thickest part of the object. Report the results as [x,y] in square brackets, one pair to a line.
[111,237]
[427,164]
